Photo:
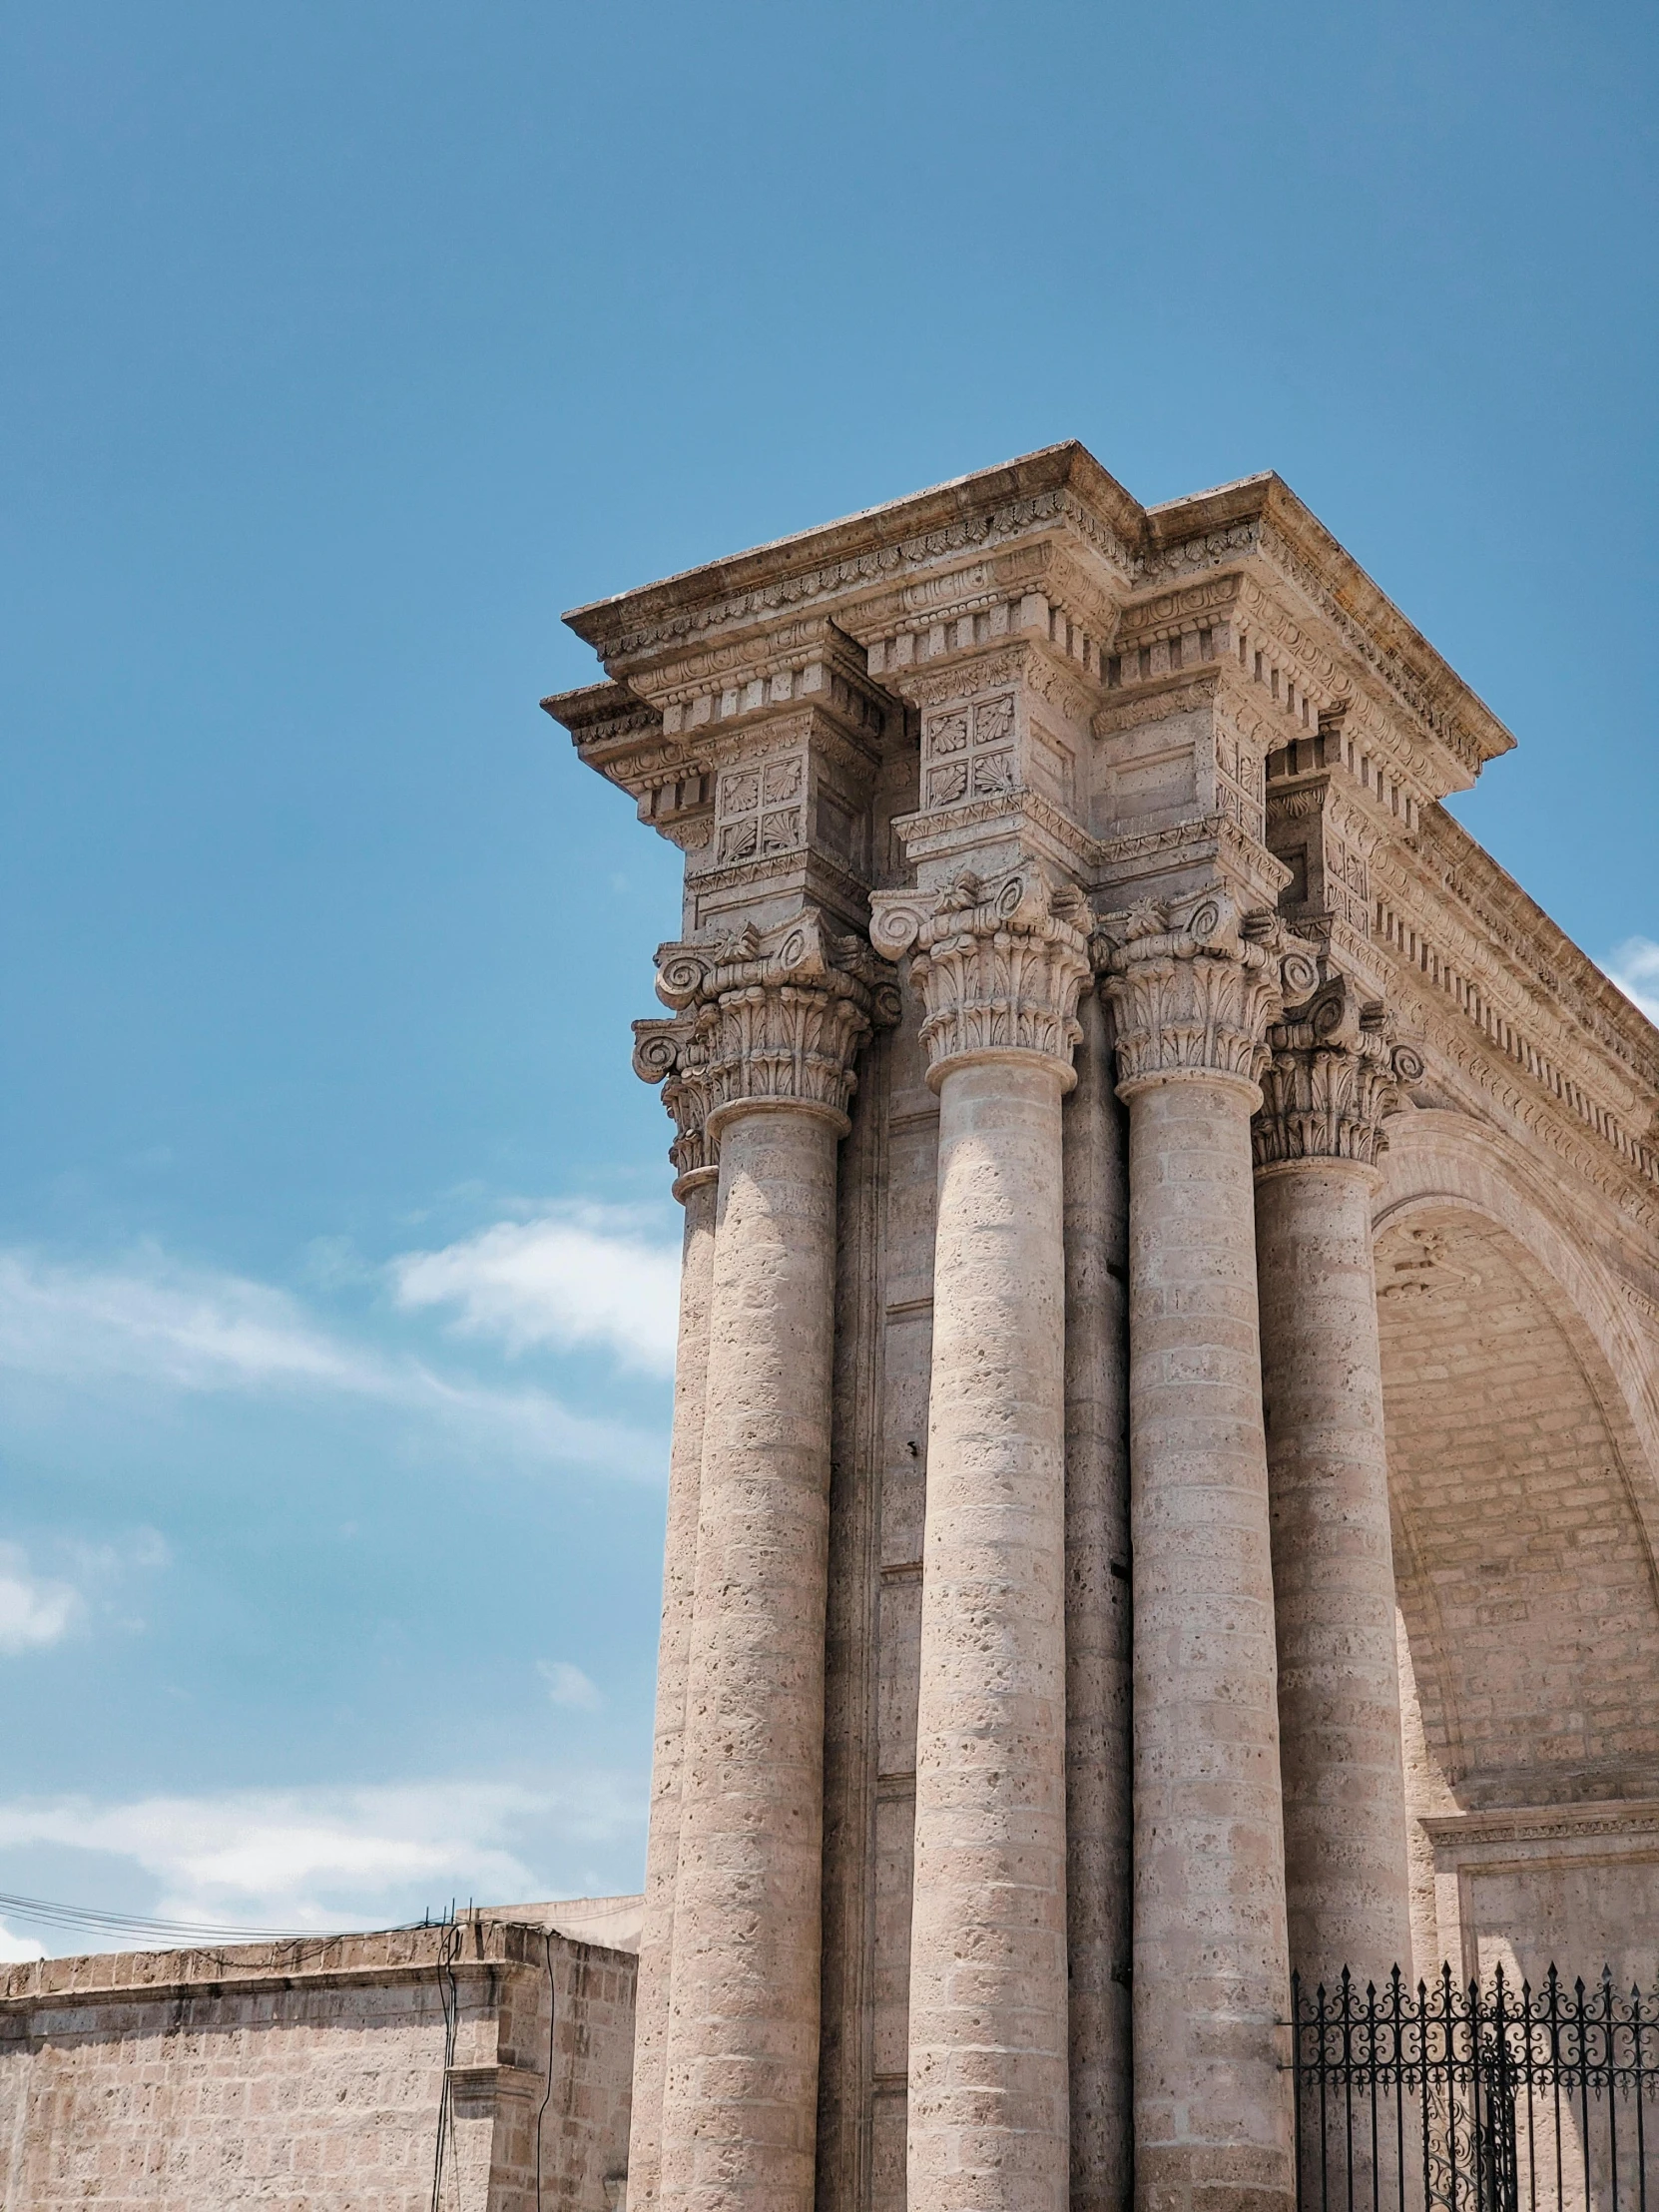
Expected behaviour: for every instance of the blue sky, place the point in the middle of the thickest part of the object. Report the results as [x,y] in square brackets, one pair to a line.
[348,344]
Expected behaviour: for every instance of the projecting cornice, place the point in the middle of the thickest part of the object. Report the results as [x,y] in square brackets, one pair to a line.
[1245,568]
[869,550]
[1261,517]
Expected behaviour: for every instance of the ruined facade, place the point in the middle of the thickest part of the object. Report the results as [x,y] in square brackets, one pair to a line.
[1166,1442]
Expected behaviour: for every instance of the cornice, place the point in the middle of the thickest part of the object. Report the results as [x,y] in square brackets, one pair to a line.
[1060,485]
[1476,949]
[1262,516]
[1466,870]
[1635,1817]
[896,560]
[1488,1077]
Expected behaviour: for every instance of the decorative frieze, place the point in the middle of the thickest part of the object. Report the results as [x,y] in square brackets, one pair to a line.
[1195,982]
[1000,965]
[1335,1074]
[776,1016]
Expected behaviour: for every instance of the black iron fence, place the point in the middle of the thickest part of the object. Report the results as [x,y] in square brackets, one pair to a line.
[1455,2097]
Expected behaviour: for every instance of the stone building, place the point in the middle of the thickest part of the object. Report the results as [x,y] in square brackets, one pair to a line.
[1167,1427]
[480,2067]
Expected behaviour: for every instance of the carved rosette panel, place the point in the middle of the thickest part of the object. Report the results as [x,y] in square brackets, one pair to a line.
[1333,1076]
[1194,984]
[760,809]
[778,1017]
[675,1054]
[1000,965]
[969,749]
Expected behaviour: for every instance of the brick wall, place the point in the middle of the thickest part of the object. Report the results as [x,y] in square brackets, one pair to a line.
[312,2076]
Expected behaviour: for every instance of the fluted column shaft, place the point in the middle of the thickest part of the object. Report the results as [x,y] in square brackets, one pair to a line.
[988,2120]
[1333,1076]
[662,1855]
[1193,992]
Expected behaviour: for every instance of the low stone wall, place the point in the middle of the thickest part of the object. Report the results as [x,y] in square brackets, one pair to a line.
[320,2075]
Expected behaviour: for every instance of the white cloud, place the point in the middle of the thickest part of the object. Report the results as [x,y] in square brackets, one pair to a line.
[322,1858]
[1634,966]
[16,1950]
[153,1322]
[34,1612]
[572,1277]
[568,1685]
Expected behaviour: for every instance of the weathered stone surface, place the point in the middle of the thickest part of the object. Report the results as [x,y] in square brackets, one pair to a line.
[998,724]
[1333,1570]
[313,2074]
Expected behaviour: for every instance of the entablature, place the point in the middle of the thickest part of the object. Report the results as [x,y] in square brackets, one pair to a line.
[1260,524]
[1503,995]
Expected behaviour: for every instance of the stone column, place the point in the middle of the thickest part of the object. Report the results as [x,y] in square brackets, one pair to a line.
[1194,984]
[783,1015]
[1001,966]
[673,1053]
[1334,1075]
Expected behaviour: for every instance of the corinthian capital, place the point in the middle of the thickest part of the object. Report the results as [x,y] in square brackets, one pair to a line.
[1000,965]
[775,1017]
[675,1053]
[1335,1072]
[1193,983]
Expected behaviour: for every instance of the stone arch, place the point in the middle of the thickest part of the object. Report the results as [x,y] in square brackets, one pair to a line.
[1523,1451]
[1524,1467]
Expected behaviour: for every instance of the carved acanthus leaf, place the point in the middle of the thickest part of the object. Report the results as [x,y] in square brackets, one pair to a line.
[675,1053]
[1000,964]
[1195,982]
[1335,1074]
[776,1015]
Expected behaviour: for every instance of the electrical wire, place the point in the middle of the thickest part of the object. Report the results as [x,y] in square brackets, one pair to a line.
[552,2024]
[449,1995]
[88,1918]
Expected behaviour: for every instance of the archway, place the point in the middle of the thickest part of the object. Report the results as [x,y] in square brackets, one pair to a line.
[1523,1476]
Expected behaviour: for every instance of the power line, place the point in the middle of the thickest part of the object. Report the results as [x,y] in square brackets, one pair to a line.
[90,1919]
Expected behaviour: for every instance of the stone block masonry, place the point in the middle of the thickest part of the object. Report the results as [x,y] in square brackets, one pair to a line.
[312,2076]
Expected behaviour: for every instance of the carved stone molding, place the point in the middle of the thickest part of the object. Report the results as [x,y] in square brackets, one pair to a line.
[1000,965]
[1193,983]
[1336,1073]
[675,1053]
[773,1017]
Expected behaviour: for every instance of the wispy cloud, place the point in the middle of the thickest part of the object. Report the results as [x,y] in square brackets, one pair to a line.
[153,1322]
[568,1685]
[320,1859]
[572,1277]
[34,1611]
[1634,966]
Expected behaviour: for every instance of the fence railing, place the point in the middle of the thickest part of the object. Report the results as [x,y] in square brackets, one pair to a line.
[1455,2097]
